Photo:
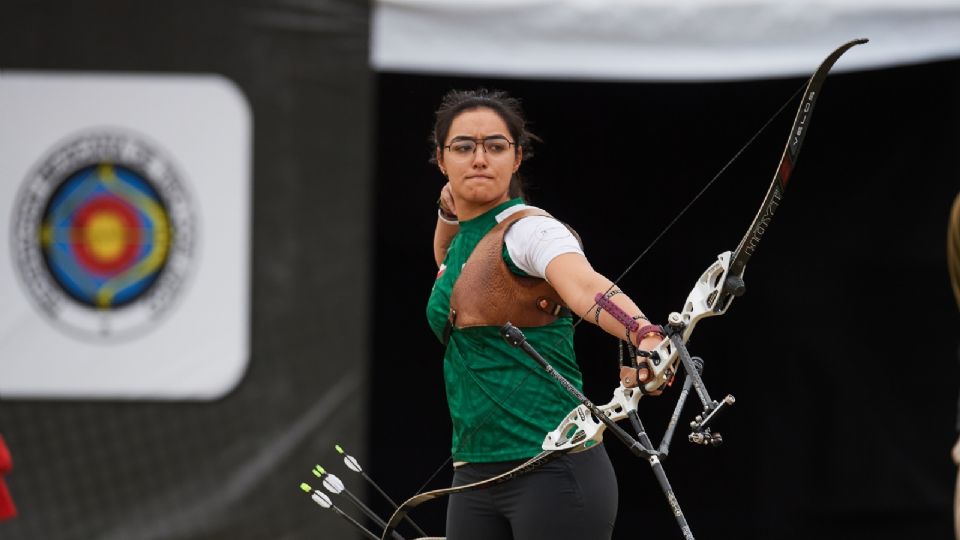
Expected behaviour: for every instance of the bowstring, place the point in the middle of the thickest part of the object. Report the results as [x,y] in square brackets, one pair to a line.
[623,274]
[697,196]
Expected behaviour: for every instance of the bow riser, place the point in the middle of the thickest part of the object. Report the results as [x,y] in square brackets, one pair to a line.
[580,430]
[706,299]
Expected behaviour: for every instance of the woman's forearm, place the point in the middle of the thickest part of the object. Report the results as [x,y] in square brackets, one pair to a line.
[442,236]
[578,283]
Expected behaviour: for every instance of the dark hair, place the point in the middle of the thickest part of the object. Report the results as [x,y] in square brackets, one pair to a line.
[507,108]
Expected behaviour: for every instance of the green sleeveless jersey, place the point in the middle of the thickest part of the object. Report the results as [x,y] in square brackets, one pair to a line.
[501,402]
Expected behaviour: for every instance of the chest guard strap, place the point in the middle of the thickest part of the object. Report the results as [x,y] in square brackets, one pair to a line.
[488,293]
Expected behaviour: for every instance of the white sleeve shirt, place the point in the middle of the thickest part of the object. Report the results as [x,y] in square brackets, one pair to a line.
[534,241]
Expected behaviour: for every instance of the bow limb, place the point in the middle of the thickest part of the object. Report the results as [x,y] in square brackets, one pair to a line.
[788,160]
[417,500]
[723,280]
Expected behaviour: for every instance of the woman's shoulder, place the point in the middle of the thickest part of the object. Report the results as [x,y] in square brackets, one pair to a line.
[534,210]
[533,241]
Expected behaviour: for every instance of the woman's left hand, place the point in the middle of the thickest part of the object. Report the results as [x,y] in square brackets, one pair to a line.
[643,374]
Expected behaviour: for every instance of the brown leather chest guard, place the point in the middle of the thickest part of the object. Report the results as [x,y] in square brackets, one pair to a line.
[487,293]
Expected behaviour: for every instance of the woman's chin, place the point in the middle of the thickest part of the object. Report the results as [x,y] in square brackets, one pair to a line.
[483,197]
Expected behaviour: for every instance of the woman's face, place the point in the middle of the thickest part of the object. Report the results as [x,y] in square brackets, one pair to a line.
[480,177]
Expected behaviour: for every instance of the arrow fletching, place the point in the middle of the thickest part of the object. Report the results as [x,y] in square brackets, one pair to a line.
[322,499]
[332,484]
[352,464]
[348,460]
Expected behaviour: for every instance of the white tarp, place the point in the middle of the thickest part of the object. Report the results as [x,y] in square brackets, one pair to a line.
[656,39]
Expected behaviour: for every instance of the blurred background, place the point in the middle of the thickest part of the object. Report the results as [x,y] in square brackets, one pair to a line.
[273,156]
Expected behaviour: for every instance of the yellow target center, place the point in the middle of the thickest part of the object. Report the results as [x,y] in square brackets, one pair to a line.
[105,236]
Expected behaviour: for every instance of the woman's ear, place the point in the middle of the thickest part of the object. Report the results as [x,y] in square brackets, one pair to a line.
[440,162]
[518,159]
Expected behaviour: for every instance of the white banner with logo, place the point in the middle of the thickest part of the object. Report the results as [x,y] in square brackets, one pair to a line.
[656,39]
[126,230]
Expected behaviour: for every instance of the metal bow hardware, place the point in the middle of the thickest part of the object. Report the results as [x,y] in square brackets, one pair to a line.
[712,295]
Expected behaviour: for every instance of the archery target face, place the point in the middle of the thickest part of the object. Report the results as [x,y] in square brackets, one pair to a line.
[126,203]
[104,234]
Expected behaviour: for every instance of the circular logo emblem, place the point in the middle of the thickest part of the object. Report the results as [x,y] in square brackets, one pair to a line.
[103,234]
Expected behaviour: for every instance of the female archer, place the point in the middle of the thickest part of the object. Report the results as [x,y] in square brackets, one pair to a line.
[502,260]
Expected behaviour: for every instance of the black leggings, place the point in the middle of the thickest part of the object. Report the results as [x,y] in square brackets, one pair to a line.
[572,497]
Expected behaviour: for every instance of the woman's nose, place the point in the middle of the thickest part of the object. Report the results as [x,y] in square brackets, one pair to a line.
[480,155]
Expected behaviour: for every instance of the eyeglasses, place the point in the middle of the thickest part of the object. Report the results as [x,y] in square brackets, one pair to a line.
[493,146]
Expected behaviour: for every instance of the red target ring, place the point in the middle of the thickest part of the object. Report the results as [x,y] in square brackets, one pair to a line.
[106,235]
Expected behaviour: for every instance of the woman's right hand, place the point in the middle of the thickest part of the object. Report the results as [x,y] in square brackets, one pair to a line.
[447,206]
